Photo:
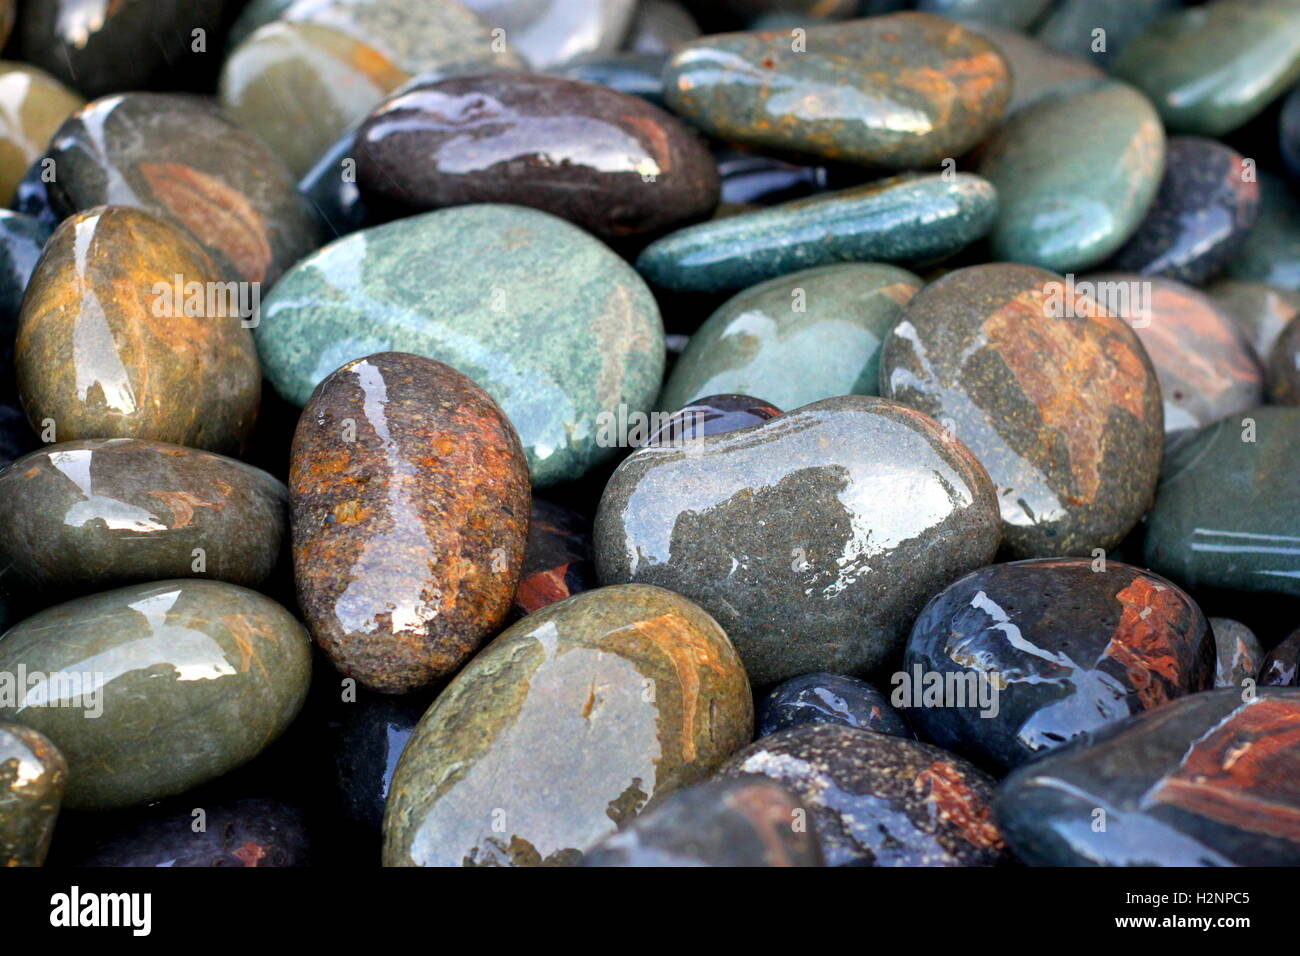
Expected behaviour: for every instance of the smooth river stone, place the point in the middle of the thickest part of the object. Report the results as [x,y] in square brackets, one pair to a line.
[1056,398]
[32,105]
[1262,310]
[1070,25]
[177,157]
[1064,645]
[753,178]
[1237,650]
[471,287]
[1068,210]
[796,339]
[711,415]
[748,821]
[1015,14]
[367,736]
[911,218]
[1206,206]
[409,504]
[623,694]
[828,699]
[609,162]
[880,800]
[22,239]
[813,538]
[660,27]
[84,516]
[550,32]
[33,776]
[1222,517]
[1284,367]
[902,91]
[559,558]
[104,352]
[1281,668]
[1036,70]
[185,680]
[1210,69]
[299,86]
[1209,780]
[1271,252]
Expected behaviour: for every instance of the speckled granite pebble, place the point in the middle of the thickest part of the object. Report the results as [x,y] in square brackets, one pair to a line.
[33,776]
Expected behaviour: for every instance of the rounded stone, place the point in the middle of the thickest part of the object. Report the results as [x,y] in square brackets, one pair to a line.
[185,679]
[1281,668]
[1284,367]
[625,694]
[711,415]
[636,74]
[1237,650]
[828,699]
[550,32]
[1071,24]
[32,105]
[409,503]
[1036,70]
[660,27]
[752,178]
[33,776]
[1262,310]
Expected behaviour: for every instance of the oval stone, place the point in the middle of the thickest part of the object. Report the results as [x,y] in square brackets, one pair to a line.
[471,287]
[409,503]
[1056,398]
[660,26]
[1046,650]
[1237,650]
[813,538]
[1036,70]
[828,699]
[797,339]
[1262,310]
[1281,668]
[625,694]
[88,515]
[1284,367]
[185,680]
[1271,252]
[33,776]
[902,91]
[32,105]
[549,32]
[711,415]
[1067,210]
[112,344]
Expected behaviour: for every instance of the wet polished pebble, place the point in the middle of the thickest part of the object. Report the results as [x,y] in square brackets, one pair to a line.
[1281,668]
[828,699]
[33,776]
[637,74]
[1238,652]
[559,558]
[549,32]
[1262,310]
[1036,70]
[711,415]
[32,105]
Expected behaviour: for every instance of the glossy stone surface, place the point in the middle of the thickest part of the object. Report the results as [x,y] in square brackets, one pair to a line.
[22,238]
[1281,668]
[1209,780]
[813,538]
[1216,522]
[330,186]
[1271,253]
[748,821]
[1206,206]
[796,339]
[828,699]
[1237,651]
[878,800]
[32,105]
[711,415]
[1056,398]
[559,558]
[1067,210]
[105,348]
[908,218]
[897,92]
[749,177]
[1066,647]
[33,776]
[561,696]
[1262,310]
[189,679]
[637,74]
[1069,25]
[549,32]
[609,162]
[1284,367]
[1209,69]
[488,278]
[367,739]
[409,504]
[1036,70]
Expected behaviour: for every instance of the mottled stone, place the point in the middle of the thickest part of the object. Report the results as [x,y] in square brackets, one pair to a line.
[1281,668]
[1070,25]
[1219,519]
[753,178]
[747,821]
[1284,367]
[711,415]
[636,74]
[1262,310]
[22,239]
[796,339]
[33,776]
[896,92]
[108,347]
[1271,252]
[813,538]
[89,515]
[1211,68]
[177,157]
[609,162]
[1206,206]
[828,699]
[1036,70]
[1069,209]
[409,503]
[880,800]
[660,27]
[1237,651]
[471,287]
[32,105]
[1015,14]
[562,696]
[1056,398]
[559,558]
[549,32]
[911,218]
[185,680]
[1209,780]
[1034,653]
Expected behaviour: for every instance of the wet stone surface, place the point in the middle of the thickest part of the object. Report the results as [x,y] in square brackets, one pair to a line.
[828,699]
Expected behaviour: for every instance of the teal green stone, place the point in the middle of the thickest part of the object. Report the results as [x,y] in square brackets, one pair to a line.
[153,689]
[797,339]
[550,322]
[1271,252]
[1225,515]
[1037,71]
[910,219]
[1210,69]
[1075,174]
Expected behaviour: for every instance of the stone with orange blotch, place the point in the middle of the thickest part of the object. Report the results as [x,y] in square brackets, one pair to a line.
[1238,651]
[903,91]
[1046,650]
[1056,397]
[1211,779]
[1281,668]
[564,728]
[107,348]
[880,800]
[409,505]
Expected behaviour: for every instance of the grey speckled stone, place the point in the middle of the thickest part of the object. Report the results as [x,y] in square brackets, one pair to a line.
[1237,650]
